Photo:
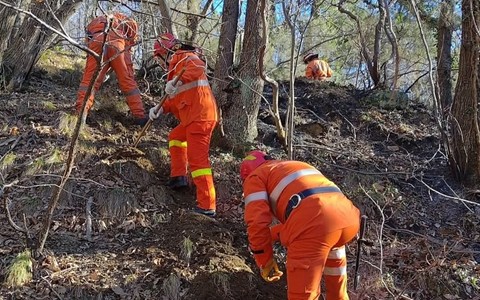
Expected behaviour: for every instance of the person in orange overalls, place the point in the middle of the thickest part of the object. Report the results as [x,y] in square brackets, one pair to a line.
[316,221]
[316,68]
[119,42]
[191,100]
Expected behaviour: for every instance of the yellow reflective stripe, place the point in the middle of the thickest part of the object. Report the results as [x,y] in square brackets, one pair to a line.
[201,172]
[177,143]
[250,157]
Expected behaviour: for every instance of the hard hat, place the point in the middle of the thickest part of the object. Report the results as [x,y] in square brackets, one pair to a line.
[164,44]
[252,161]
[309,56]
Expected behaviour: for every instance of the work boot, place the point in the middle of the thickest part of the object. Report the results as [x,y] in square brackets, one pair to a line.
[206,212]
[178,182]
[141,121]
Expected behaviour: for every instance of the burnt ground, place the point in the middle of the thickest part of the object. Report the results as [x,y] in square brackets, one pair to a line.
[145,244]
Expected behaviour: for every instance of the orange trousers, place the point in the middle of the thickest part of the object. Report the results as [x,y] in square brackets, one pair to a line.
[308,259]
[121,63]
[189,146]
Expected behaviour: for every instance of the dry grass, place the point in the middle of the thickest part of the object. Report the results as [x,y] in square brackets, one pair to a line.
[186,249]
[7,160]
[20,271]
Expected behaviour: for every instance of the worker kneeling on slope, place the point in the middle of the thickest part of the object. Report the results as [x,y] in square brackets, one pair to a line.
[316,68]
[316,221]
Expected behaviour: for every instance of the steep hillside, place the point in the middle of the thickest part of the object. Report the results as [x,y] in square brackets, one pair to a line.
[386,157]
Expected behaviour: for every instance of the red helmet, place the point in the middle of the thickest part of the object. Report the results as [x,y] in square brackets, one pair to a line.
[252,161]
[164,44]
[309,56]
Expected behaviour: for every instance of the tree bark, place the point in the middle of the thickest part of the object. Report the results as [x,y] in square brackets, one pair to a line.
[465,141]
[193,20]
[31,39]
[240,120]
[166,15]
[444,53]
[7,20]
[226,50]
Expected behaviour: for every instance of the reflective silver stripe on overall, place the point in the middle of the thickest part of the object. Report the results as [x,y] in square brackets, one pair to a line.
[277,191]
[191,85]
[258,196]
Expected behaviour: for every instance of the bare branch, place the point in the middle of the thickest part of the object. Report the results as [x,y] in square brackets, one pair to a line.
[6,205]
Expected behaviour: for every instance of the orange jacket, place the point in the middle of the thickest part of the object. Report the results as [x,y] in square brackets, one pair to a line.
[318,69]
[267,192]
[194,100]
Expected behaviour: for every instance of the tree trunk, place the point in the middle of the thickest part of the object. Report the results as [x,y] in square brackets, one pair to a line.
[25,47]
[226,50]
[166,20]
[444,53]
[193,19]
[240,119]
[465,141]
[7,20]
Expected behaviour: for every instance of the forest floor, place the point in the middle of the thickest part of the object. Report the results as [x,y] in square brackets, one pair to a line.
[145,244]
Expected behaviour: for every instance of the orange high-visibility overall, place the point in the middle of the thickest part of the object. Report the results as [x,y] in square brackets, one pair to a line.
[316,221]
[119,42]
[189,143]
[318,69]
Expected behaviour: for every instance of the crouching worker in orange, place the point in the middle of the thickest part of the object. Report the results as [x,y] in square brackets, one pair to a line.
[316,68]
[316,221]
[119,42]
[191,100]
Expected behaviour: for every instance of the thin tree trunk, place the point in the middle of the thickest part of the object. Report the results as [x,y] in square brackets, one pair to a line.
[193,20]
[166,20]
[261,66]
[444,54]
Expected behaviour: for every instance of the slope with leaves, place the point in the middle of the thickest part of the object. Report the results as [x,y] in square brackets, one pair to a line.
[120,233]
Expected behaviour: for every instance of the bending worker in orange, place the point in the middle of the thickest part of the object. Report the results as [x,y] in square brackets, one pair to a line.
[316,221]
[119,42]
[316,68]
[191,100]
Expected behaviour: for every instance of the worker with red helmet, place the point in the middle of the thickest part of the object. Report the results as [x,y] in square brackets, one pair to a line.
[316,221]
[191,100]
[120,39]
[316,68]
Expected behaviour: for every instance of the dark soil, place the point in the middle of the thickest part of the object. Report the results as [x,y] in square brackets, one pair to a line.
[385,154]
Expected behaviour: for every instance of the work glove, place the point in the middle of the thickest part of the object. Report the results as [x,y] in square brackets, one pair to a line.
[155,112]
[270,272]
[170,88]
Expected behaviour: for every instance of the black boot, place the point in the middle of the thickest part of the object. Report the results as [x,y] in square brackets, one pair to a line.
[141,121]
[178,182]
